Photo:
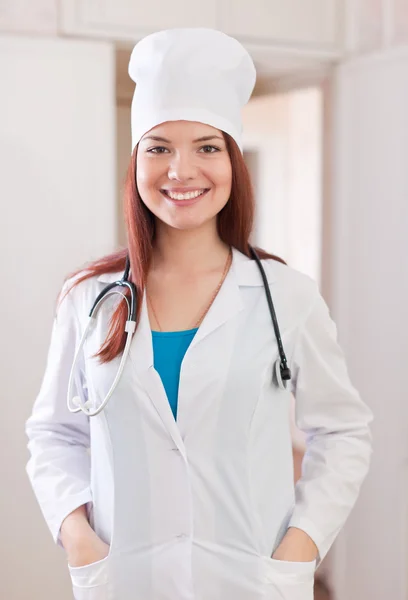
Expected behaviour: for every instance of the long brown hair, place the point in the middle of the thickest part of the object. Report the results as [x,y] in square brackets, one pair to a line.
[235,222]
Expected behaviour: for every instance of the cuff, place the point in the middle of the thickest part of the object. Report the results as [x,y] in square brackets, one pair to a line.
[312,531]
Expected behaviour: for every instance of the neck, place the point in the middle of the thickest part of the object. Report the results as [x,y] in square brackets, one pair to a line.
[188,251]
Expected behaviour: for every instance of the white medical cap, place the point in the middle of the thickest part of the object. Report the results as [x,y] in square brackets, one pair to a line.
[192,74]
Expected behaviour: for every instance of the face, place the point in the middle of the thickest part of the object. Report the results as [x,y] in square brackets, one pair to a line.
[183,179]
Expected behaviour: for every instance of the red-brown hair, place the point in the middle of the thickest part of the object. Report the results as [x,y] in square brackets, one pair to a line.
[235,222]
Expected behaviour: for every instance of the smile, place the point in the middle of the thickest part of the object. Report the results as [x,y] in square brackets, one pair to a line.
[187,196]
[184,199]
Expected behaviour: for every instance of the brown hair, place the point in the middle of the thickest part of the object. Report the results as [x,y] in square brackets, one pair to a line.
[235,222]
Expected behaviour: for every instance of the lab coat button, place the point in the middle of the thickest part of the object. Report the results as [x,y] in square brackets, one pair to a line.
[181,536]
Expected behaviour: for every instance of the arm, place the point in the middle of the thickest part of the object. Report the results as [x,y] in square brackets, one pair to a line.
[58,441]
[79,540]
[74,527]
[339,444]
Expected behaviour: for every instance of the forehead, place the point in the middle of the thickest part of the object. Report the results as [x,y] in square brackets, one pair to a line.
[183,130]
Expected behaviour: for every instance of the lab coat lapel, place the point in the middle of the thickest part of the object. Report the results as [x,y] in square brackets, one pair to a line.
[244,272]
[141,359]
[206,361]
[226,305]
[141,354]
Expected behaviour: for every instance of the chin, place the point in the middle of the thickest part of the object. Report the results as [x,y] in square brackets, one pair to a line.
[189,224]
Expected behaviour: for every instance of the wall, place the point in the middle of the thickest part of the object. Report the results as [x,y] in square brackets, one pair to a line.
[57,142]
[374,25]
[369,284]
[366,279]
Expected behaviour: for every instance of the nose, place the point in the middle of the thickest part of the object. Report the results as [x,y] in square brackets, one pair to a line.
[182,167]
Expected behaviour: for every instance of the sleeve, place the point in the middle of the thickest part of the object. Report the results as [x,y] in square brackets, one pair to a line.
[58,440]
[336,423]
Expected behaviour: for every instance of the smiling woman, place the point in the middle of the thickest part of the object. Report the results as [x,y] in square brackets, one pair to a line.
[187,491]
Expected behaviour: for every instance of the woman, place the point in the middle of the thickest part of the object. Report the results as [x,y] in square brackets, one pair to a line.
[188,490]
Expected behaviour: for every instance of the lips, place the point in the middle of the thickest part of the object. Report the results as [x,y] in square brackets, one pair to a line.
[165,192]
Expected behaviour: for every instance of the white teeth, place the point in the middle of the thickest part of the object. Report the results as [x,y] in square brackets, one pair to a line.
[188,196]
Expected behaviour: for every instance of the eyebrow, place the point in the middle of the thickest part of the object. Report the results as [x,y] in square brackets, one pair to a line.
[206,138]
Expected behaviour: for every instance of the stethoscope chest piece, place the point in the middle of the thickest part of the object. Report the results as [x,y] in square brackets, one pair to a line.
[282,383]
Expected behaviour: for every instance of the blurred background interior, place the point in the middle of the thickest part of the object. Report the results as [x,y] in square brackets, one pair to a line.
[326,142]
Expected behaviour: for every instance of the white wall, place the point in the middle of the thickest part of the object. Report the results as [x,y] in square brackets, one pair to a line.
[372,25]
[367,280]
[369,283]
[57,190]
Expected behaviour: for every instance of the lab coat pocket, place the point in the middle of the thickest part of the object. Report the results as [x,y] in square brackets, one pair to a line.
[90,582]
[289,580]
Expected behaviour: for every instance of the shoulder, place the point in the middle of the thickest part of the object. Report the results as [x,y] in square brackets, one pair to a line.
[293,293]
[291,279]
[296,290]
[78,293]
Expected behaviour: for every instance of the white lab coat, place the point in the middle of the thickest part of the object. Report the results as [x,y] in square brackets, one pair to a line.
[193,510]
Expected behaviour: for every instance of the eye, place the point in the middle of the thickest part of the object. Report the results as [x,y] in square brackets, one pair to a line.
[153,150]
[213,147]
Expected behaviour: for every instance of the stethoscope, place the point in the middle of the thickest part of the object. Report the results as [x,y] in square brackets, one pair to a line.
[75,405]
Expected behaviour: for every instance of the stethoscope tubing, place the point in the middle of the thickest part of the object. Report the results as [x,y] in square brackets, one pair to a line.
[282,371]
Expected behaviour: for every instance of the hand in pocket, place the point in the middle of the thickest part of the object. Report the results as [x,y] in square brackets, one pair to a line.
[89,549]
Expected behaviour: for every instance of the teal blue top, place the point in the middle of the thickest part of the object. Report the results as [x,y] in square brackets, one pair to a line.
[169,348]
